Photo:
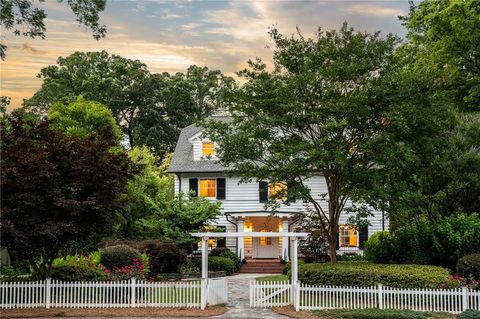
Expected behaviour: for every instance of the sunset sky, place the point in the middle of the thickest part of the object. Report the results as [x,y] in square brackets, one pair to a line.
[170,36]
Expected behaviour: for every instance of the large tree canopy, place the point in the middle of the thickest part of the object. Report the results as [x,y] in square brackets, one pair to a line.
[56,189]
[150,108]
[444,36]
[318,112]
[23,18]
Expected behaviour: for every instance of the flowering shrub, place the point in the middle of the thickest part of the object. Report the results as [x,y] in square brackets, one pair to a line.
[136,270]
[459,281]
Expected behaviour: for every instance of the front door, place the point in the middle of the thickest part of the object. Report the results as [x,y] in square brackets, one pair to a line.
[265,247]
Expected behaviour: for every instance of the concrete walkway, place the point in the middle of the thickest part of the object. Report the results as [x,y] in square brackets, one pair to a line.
[239,299]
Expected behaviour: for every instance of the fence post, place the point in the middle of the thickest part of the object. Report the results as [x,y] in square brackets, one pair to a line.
[297,288]
[133,282]
[380,296]
[48,292]
[464,298]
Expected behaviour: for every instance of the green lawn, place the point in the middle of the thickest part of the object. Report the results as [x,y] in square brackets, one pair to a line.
[273,278]
[373,313]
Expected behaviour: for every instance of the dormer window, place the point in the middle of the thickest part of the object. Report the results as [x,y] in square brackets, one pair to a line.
[208,149]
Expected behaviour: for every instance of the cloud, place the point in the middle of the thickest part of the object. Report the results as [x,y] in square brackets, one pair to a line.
[373,10]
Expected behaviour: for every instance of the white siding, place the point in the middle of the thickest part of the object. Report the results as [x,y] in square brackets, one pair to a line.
[244,197]
[197,149]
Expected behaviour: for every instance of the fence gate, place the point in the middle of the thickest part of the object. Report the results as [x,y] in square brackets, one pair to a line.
[217,291]
[270,293]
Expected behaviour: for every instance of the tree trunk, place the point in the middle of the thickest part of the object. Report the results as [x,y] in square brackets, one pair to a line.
[333,239]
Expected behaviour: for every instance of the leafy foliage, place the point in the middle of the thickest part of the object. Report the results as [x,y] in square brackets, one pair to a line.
[165,257]
[150,108]
[227,253]
[56,189]
[442,243]
[82,118]
[469,266]
[373,313]
[221,264]
[470,314]
[118,256]
[314,248]
[367,274]
[319,111]
[23,18]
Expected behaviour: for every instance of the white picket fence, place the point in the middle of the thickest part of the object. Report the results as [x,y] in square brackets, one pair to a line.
[307,297]
[102,294]
[217,291]
[270,293]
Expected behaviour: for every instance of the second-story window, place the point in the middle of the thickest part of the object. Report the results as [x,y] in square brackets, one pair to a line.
[277,188]
[208,149]
[208,188]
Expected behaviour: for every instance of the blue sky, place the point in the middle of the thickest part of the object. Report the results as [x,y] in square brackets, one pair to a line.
[169,36]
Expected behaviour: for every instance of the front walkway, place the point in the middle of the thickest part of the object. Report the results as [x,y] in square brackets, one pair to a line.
[239,299]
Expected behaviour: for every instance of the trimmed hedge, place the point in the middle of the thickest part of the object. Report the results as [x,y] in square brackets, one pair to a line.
[469,266]
[118,256]
[367,274]
[470,314]
[77,273]
[374,313]
[221,263]
[165,257]
[227,253]
[380,248]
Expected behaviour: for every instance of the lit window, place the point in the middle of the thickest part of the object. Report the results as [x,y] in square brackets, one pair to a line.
[208,149]
[276,188]
[265,241]
[348,236]
[208,188]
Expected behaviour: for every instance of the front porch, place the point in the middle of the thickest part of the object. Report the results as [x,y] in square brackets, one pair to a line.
[263,222]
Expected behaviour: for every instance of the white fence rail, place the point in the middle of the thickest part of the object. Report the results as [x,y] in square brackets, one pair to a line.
[307,297]
[270,293]
[443,300]
[101,294]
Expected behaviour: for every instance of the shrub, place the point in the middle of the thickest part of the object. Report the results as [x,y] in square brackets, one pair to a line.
[227,253]
[165,256]
[380,248]
[78,273]
[288,266]
[77,268]
[373,313]
[367,274]
[469,266]
[135,270]
[118,256]
[470,314]
[221,264]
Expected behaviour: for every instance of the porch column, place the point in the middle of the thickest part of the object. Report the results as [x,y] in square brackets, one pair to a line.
[204,283]
[240,241]
[285,241]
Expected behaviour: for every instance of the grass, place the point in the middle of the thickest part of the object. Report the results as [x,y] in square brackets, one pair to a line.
[373,313]
[273,278]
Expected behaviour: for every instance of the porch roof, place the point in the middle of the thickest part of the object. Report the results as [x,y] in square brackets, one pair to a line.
[262,213]
[250,234]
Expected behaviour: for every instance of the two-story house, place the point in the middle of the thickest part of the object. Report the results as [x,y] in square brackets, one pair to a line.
[198,170]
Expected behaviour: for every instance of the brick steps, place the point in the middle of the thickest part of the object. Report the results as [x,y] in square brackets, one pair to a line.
[262,266]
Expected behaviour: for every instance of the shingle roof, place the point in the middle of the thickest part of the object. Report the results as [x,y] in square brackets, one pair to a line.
[182,161]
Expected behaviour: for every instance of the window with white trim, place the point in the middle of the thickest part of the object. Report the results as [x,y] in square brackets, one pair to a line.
[348,236]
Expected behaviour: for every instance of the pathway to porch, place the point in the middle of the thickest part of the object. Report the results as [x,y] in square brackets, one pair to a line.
[239,300]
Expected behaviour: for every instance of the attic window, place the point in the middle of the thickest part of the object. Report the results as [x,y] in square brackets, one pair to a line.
[208,149]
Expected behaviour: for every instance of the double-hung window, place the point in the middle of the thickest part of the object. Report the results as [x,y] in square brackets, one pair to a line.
[208,188]
[208,149]
[348,236]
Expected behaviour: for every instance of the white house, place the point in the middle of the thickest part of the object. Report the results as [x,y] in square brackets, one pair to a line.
[243,204]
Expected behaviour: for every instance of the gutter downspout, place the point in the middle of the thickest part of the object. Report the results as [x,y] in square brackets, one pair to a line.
[236,227]
[179,182]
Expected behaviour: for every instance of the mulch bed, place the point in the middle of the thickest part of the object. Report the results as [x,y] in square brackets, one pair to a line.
[290,312]
[117,312]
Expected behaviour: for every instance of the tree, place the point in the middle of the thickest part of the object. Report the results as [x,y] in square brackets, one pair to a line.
[153,211]
[318,112]
[23,18]
[444,35]
[123,85]
[82,118]
[180,100]
[150,108]
[56,189]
